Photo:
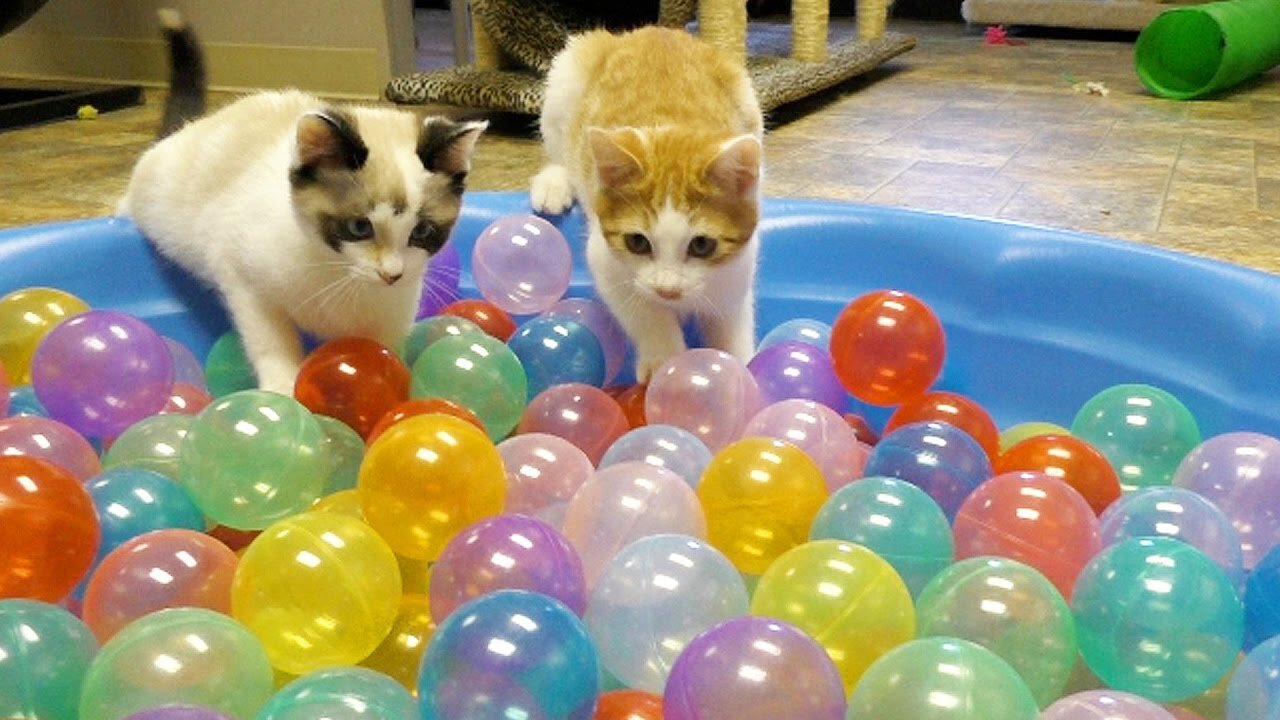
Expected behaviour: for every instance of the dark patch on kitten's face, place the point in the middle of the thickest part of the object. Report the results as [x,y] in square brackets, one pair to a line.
[327,140]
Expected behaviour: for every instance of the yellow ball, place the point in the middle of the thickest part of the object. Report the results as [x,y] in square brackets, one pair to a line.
[26,316]
[401,652]
[425,479]
[760,495]
[845,596]
[1017,433]
[318,589]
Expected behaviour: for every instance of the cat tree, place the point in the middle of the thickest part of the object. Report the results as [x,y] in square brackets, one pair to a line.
[514,42]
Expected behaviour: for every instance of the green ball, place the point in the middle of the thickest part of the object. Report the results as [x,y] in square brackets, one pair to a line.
[428,330]
[478,372]
[334,692]
[45,652]
[1012,610]
[254,457]
[153,443]
[227,368]
[1144,431]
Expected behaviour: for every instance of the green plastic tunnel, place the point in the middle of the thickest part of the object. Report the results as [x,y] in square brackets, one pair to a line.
[1196,50]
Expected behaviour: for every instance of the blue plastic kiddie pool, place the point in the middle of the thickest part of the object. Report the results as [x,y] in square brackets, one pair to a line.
[1037,320]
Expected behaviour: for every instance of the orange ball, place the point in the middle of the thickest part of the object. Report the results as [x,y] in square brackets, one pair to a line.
[628,705]
[887,347]
[356,380]
[954,409]
[1070,459]
[49,529]
[421,406]
[631,398]
[492,319]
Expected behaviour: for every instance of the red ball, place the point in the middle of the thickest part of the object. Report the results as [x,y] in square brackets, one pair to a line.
[421,406]
[492,319]
[631,398]
[49,531]
[1070,459]
[355,380]
[953,409]
[628,705]
[887,347]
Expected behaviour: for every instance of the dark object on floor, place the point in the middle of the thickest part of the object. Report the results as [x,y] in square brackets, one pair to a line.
[22,106]
[15,12]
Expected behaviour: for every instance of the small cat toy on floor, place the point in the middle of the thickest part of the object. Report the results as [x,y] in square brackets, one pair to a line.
[658,136]
[305,216]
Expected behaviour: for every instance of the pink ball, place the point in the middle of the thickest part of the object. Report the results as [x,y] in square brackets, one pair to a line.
[4,391]
[50,440]
[1033,518]
[596,316]
[521,263]
[583,414]
[625,502]
[708,392]
[1104,705]
[543,473]
[820,432]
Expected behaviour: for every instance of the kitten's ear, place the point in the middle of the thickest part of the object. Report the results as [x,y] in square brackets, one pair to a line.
[327,139]
[616,154]
[736,169]
[445,146]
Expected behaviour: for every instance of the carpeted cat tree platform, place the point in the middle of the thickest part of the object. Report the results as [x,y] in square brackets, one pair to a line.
[515,41]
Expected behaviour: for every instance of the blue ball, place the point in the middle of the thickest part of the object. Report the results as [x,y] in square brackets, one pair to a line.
[23,401]
[350,693]
[666,446]
[1254,689]
[1262,600]
[807,330]
[509,653]
[939,458]
[132,500]
[556,350]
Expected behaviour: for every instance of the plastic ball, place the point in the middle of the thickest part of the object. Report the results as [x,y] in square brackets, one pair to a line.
[422,406]
[1010,609]
[477,372]
[318,589]
[440,281]
[521,263]
[596,316]
[1070,459]
[355,380]
[887,347]
[178,656]
[583,414]
[252,458]
[1254,690]
[667,446]
[341,693]
[50,440]
[4,392]
[623,503]
[760,495]
[954,409]
[1262,600]
[345,451]
[187,368]
[845,596]
[48,529]
[227,368]
[1240,473]
[23,401]
[400,652]
[631,399]
[653,598]
[820,432]
[1180,514]
[797,370]
[1033,518]
[628,705]
[543,473]
[753,668]
[428,330]
[507,552]
[153,443]
[185,399]
[101,371]
[1105,705]
[133,501]
[510,653]
[555,351]
[896,520]
[943,460]
[490,318]
[156,570]
[26,316]
[425,479]
[708,392]
[1157,618]
[1144,432]
[45,652]
[1015,434]
[178,711]
[806,330]
[938,678]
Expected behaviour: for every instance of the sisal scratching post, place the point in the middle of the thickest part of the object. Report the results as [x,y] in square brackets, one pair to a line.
[488,55]
[872,17]
[809,30]
[723,23]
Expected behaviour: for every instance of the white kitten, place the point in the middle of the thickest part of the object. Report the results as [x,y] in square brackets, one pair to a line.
[305,216]
[659,138]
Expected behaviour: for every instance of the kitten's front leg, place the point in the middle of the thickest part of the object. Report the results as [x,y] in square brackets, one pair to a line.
[551,191]
[733,328]
[270,340]
[656,334]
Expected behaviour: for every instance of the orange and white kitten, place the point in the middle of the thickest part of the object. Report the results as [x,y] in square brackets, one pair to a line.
[658,136]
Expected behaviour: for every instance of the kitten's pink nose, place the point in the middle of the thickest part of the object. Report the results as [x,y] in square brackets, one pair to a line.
[390,278]
[669,293]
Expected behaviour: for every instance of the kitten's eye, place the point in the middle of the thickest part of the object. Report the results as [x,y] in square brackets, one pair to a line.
[702,247]
[426,235]
[637,244]
[358,228]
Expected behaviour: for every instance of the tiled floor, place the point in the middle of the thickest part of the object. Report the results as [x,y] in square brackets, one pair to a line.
[954,126]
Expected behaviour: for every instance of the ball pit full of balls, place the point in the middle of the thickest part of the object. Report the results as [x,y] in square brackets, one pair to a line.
[473,525]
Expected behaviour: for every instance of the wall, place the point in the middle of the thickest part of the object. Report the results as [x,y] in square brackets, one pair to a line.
[348,48]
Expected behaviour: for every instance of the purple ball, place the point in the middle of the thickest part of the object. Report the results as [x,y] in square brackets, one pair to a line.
[440,282]
[178,712]
[522,264]
[1105,705]
[1240,473]
[939,458]
[101,371]
[506,552]
[790,370]
[753,667]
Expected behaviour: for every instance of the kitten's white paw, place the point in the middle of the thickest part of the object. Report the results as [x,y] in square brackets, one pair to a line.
[551,192]
[647,363]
